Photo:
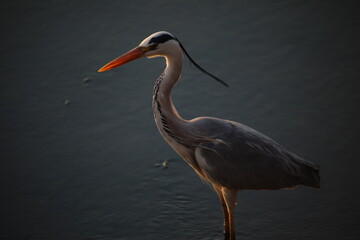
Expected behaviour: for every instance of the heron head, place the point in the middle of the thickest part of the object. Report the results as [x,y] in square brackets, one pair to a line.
[155,45]
[158,44]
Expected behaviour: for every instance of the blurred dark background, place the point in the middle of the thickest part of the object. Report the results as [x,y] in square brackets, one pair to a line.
[79,148]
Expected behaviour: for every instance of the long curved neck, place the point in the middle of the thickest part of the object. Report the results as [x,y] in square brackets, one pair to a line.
[166,81]
[172,127]
[167,119]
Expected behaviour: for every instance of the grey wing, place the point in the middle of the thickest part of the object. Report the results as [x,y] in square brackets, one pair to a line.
[239,157]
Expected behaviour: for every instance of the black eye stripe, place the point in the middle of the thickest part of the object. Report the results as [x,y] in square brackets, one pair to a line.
[161,39]
[153,46]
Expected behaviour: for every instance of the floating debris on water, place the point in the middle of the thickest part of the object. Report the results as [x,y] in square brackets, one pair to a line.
[87,79]
[163,164]
[67,102]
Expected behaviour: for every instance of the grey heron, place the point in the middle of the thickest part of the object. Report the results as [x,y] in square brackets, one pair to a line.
[227,154]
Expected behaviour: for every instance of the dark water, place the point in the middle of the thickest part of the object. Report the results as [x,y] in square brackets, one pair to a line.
[85,170]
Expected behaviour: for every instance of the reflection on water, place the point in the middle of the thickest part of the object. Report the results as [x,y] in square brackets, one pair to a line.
[78,156]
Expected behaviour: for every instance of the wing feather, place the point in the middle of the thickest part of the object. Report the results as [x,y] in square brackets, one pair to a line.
[239,157]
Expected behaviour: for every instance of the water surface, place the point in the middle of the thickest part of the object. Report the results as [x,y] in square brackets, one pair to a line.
[85,169]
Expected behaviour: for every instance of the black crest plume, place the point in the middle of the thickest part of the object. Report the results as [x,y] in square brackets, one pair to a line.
[200,68]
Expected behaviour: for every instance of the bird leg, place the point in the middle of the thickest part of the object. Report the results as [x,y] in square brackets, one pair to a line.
[229,196]
[225,212]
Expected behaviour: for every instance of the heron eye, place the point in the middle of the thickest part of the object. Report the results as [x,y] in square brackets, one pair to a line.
[153,46]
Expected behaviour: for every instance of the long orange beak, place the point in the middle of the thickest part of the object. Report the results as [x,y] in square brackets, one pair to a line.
[125,58]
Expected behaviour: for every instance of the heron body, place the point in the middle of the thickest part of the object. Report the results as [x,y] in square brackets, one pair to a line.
[228,155]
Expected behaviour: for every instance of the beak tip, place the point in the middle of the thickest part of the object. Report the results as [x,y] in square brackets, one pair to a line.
[103,69]
[127,57]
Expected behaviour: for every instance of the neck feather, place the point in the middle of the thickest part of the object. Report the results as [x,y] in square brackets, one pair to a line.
[167,119]
[166,81]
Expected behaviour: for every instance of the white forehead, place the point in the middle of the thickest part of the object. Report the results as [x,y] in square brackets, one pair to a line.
[146,41]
